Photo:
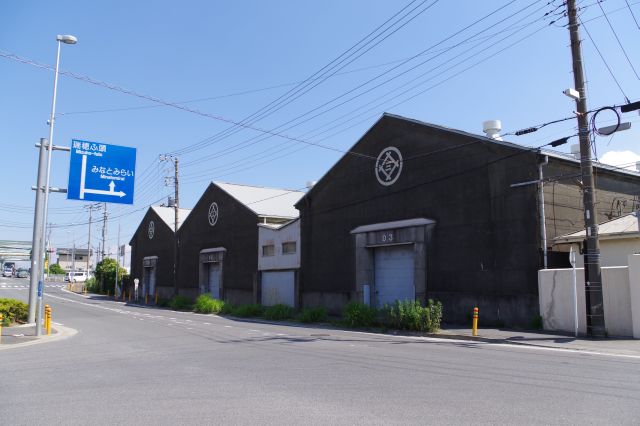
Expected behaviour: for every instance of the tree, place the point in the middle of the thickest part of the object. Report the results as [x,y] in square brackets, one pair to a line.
[106,274]
[56,269]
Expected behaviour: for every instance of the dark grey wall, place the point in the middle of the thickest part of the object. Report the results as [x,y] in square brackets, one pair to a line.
[161,245]
[236,230]
[616,195]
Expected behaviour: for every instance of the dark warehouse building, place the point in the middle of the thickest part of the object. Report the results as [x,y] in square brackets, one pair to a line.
[420,211]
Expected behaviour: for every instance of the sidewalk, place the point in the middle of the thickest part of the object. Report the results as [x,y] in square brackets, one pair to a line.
[617,346]
[25,334]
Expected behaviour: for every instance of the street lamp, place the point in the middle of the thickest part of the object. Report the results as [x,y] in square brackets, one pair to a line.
[66,39]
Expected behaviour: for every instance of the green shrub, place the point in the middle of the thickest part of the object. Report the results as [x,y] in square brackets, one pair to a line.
[246,311]
[358,314]
[228,309]
[13,310]
[278,312]
[411,315]
[205,304]
[180,303]
[92,285]
[309,315]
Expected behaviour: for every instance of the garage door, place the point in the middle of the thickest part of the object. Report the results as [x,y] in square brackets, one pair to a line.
[394,274]
[149,283]
[214,279]
[278,287]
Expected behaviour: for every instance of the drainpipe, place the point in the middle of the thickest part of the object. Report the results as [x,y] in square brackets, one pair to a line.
[543,226]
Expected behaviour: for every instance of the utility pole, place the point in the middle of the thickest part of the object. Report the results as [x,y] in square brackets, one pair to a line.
[176,207]
[592,273]
[36,247]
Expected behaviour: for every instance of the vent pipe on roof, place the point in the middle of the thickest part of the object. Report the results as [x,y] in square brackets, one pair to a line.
[575,150]
[492,129]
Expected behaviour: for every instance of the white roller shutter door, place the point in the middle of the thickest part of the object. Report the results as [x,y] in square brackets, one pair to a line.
[278,287]
[394,274]
[214,279]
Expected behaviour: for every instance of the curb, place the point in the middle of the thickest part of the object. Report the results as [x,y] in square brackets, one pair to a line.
[61,334]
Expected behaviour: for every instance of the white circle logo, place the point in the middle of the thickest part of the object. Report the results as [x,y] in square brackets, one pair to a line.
[152,229]
[388,166]
[213,214]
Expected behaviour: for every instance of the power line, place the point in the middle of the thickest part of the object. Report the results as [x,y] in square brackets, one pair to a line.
[603,60]
[632,14]
[618,39]
[323,74]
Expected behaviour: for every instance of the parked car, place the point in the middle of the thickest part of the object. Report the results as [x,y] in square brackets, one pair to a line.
[76,277]
[22,273]
[7,271]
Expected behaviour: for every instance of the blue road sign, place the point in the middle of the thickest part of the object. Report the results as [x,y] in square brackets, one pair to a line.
[101,172]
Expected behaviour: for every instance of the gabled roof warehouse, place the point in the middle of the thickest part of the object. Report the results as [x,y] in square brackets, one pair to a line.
[465,236]
[153,249]
[218,242]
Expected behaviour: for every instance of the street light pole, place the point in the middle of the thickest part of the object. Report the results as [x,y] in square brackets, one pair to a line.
[67,39]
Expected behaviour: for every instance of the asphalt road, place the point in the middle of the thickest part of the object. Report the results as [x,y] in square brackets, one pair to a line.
[136,365]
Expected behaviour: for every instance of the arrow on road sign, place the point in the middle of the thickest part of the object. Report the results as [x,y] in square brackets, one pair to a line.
[83,190]
[102,192]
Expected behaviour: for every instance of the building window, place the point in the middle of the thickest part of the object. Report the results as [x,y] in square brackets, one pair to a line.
[289,247]
[268,250]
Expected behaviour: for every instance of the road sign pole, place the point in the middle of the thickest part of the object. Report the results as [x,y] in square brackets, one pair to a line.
[36,241]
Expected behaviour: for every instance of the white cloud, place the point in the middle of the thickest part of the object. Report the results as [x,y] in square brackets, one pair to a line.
[625,159]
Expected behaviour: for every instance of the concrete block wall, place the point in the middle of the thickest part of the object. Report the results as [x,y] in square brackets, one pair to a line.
[555,289]
[634,292]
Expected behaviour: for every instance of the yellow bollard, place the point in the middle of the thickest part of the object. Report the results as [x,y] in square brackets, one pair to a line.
[156,301]
[146,299]
[47,319]
[474,330]
[84,290]
[108,293]
[1,319]
[129,296]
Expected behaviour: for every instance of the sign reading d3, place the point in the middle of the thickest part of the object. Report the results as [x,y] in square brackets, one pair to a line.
[101,172]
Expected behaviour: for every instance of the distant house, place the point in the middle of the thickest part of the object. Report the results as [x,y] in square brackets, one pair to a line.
[618,238]
[153,250]
[66,259]
[219,240]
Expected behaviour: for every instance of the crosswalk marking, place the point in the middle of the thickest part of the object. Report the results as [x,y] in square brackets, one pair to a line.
[26,286]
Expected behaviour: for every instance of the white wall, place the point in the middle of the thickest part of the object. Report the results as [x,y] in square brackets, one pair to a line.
[288,233]
[612,252]
[555,287]
[634,290]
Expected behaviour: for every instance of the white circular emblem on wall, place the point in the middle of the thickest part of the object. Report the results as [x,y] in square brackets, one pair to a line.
[213,214]
[388,166]
[152,229]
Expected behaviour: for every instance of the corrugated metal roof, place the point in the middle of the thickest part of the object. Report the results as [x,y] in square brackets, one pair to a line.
[625,226]
[167,214]
[264,201]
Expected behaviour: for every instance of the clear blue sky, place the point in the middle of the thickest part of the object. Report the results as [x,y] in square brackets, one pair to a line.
[229,59]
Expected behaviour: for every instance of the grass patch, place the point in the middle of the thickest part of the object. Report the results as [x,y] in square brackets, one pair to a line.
[180,303]
[279,312]
[205,304]
[247,311]
[358,315]
[309,315]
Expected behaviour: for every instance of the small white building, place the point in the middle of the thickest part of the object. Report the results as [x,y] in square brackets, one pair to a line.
[278,263]
[618,238]
[71,259]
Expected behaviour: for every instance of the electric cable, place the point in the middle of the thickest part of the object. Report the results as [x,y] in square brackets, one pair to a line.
[618,40]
